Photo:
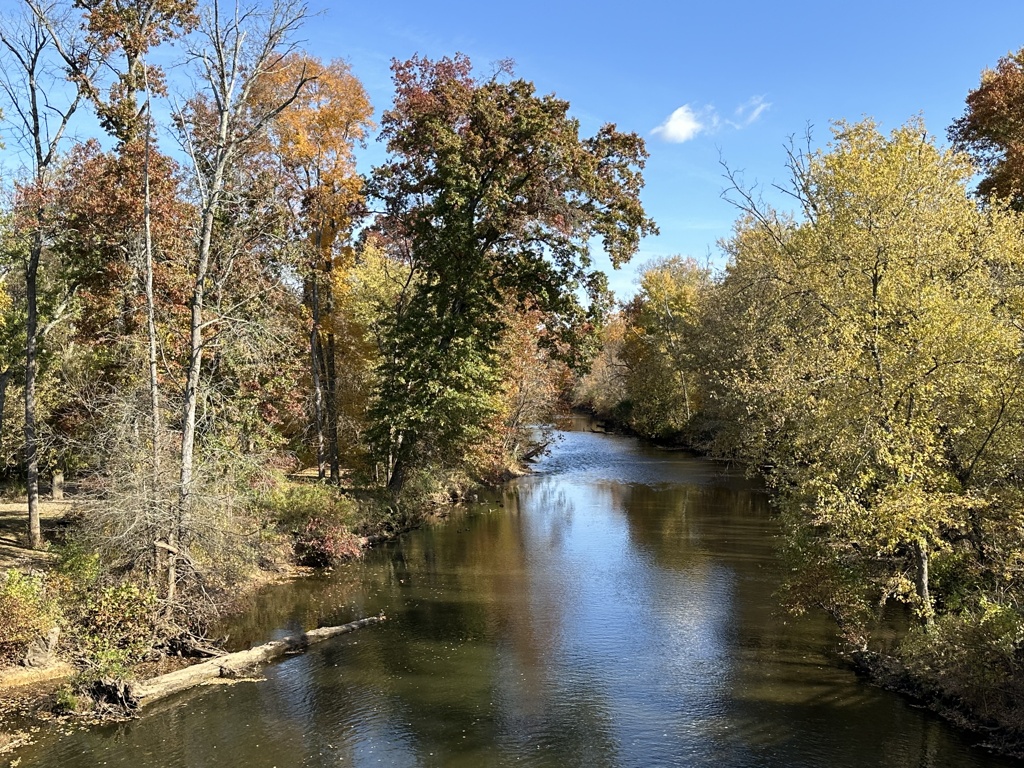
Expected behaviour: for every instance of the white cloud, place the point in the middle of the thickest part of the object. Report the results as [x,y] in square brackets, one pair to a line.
[750,112]
[686,122]
[683,124]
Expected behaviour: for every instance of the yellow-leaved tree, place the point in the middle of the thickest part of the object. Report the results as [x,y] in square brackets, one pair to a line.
[311,142]
[869,354]
[660,348]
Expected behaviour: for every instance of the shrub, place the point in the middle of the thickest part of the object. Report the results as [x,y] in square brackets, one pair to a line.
[323,542]
[322,520]
[292,506]
[27,610]
[110,623]
[116,628]
[975,657]
[78,572]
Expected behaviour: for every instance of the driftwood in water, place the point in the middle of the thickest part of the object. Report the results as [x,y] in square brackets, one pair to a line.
[237,664]
[536,451]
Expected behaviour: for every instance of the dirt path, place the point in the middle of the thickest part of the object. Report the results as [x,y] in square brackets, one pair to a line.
[13,533]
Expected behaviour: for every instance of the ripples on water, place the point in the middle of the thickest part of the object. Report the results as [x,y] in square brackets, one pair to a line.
[614,609]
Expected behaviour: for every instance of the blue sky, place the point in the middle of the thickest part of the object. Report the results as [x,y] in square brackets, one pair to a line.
[749,74]
[701,82]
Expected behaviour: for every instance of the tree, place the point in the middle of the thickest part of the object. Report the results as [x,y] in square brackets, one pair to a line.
[531,392]
[311,143]
[491,197]
[602,389]
[218,125]
[102,202]
[660,350]
[41,111]
[12,327]
[992,130]
[116,77]
[870,352]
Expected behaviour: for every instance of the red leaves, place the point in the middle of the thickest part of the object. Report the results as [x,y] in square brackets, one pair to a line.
[992,129]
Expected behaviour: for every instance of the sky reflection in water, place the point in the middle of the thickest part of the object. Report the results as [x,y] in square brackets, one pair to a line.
[614,609]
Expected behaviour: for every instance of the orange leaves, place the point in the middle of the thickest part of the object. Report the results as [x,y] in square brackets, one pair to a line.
[329,115]
[311,141]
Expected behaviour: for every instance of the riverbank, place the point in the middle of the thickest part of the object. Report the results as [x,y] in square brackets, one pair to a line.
[28,694]
[24,691]
[321,534]
[892,674]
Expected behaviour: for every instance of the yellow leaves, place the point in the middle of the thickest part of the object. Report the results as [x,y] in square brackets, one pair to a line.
[5,302]
[875,354]
[604,386]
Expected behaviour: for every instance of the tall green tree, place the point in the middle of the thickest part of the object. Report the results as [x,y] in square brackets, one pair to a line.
[491,196]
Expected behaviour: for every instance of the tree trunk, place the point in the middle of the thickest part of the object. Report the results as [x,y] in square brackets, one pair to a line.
[35,534]
[686,397]
[921,582]
[239,663]
[333,449]
[5,380]
[315,358]
[191,400]
[399,466]
[163,557]
[147,226]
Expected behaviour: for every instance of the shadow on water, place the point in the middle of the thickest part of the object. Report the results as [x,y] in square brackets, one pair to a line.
[615,609]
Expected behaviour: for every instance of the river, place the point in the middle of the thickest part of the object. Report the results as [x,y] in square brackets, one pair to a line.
[616,608]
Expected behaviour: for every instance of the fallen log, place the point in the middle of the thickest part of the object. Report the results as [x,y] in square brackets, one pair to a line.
[536,451]
[237,664]
[17,677]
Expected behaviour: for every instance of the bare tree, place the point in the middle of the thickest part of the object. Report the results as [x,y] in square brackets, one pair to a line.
[232,51]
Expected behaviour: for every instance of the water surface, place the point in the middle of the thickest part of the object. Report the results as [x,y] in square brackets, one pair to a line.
[615,609]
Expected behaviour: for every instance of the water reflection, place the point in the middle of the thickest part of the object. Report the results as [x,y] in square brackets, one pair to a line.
[615,609]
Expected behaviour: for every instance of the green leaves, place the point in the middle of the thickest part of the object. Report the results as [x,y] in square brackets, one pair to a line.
[492,198]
